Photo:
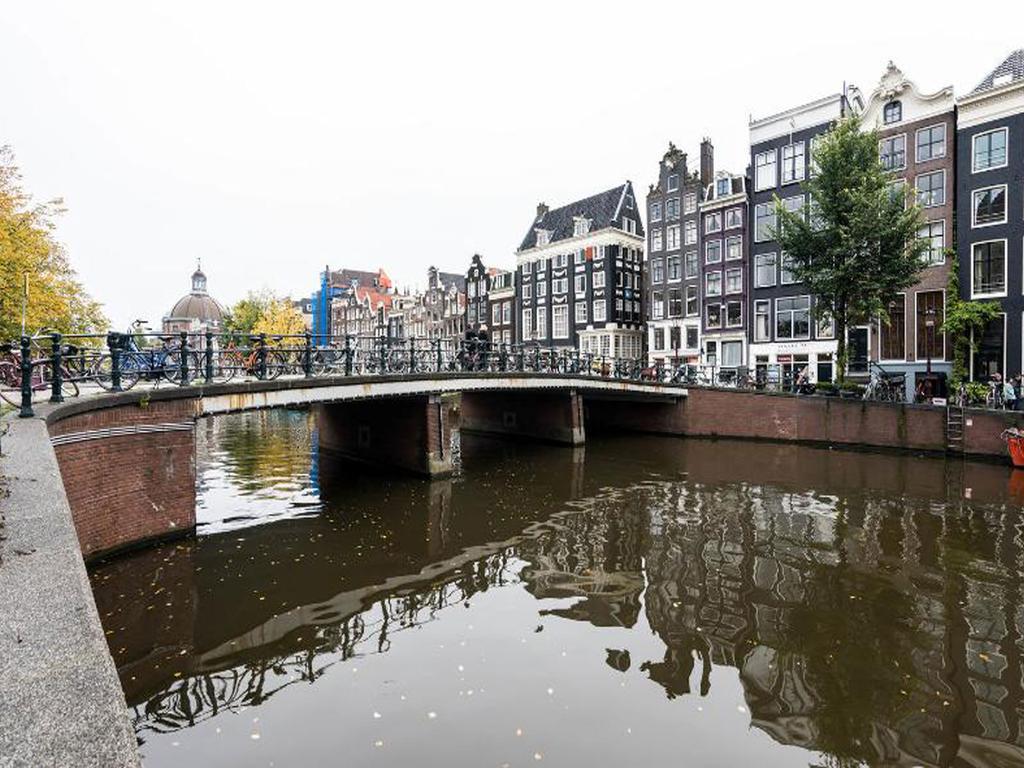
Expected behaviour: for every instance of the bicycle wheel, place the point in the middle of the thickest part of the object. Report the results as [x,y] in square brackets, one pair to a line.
[10,382]
[171,367]
[101,373]
[277,363]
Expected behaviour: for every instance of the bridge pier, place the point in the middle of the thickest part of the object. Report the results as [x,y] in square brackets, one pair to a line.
[410,433]
[550,415]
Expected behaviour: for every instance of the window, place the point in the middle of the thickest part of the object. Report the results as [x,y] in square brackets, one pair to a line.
[580,284]
[762,321]
[793,163]
[506,313]
[931,189]
[495,314]
[989,355]
[794,204]
[528,291]
[988,269]
[673,182]
[892,112]
[598,278]
[764,270]
[629,225]
[658,271]
[723,187]
[542,322]
[659,338]
[989,150]
[989,206]
[734,218]
[689,202]
[786,276]
[734,280]
[893,152]
[673,237]
[826,326]
[893,335]
[672,208]
[931,143]
[734,314]
[581,311]
[691,300]
[580,226]
[543,237]
[734,247]
[691,233]
[712,251]
[930,341]
[655,211]
[713,222]
[527,332]
[673,268]
[561,261]
[898,190]
[599,311]
[675,303]
[824,367]
[793,317]
[713,283]
[657,305]
[713,316]
[815,144]
[471,290]
[542,289]
[691,264]
[691,337]
[560,285]
[560,321]
[472,314]
[764,222]
[732,352]
[580,257]
[764,170]
[935,233]
[656,240]
[540,265]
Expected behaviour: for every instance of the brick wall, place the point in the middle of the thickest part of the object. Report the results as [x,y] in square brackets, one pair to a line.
[133,488]
[550,415]
[725,413]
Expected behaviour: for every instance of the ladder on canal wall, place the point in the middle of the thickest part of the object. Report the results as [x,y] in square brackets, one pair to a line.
[954,429]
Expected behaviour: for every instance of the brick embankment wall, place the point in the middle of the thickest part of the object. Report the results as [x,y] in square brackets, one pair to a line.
[129,472]
[822,420]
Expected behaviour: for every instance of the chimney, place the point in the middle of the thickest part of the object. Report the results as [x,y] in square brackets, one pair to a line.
[707,161]
[542,210]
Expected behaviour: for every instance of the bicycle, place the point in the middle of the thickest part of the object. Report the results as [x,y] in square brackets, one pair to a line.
[41,379]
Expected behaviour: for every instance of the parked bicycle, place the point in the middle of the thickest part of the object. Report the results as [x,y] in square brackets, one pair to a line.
[41,378]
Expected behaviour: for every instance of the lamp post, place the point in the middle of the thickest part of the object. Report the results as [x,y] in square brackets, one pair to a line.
[929,323]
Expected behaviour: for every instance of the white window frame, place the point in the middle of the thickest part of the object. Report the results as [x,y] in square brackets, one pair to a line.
[597,278]
[580,284]
[769,206]
[774,164]
[734,272]
[974,207]
[782,259]
[893,137]
[707,251]
[739,251]
[942,251]
[657,239]
[656,211]
[672,183]
[917,189]
[721,315]
[672,238]
[945,142]
[713,222]
[599,317]
[767,305]
[717,273]
[542,322]
[1006,272]
[581,317]
[734,212]
[809,318]
[803,162]
[557,311]
[775,270]
[974,169]
[725,318]
[689,202]
[690,233]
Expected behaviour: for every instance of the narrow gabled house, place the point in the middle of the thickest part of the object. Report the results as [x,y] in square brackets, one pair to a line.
[673,256]
[725,273]
[990,212]
[490,294]
[579,276]
[916,132]
[783,332]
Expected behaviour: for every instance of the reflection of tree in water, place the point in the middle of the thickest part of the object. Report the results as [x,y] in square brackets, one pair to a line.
[203,695]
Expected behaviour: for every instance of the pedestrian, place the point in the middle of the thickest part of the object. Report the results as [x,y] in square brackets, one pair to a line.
[1009,395]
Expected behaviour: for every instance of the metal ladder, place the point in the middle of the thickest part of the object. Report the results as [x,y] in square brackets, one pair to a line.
[954,429]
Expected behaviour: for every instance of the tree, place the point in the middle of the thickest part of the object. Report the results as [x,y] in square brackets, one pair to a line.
[28,248]
[243,315]
[964,320]
[860,246]
[280,318]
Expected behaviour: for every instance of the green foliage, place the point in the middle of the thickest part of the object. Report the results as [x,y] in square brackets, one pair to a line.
[242,317]
[56,299]
[963,320]
[860,246]
[977,392]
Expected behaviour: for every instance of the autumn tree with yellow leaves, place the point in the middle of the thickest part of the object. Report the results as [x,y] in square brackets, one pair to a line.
[29,250]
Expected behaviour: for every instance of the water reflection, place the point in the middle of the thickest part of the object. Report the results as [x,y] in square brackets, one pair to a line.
[650,598]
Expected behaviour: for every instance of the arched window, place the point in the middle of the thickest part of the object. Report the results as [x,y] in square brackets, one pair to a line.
[893,112]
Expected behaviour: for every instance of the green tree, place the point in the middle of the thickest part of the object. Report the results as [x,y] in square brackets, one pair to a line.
[965,320]
[245,313]
[859,247]
[29,250]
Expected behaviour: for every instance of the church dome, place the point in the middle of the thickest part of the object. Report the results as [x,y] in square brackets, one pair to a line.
[198,304]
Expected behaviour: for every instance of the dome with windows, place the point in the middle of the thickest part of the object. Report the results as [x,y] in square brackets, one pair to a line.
[196,309]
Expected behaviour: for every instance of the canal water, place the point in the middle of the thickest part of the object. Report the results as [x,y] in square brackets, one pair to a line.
[637,602]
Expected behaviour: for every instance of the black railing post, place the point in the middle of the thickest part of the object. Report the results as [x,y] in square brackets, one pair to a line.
[307,354]
[412,354]
[348,355]
[209,356]
[26,378]
[261,357]
[114,347]
[437,354]
[183,358]
[56,370]
[383,356]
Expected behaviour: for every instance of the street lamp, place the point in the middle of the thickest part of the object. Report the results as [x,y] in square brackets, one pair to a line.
[929,323]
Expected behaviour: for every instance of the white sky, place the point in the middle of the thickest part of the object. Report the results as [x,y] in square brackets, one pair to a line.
[271,139]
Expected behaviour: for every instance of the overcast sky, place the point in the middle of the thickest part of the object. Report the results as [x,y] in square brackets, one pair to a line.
[272,139]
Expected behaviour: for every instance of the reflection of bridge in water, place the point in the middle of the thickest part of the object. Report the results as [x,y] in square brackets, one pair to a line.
[866,624]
